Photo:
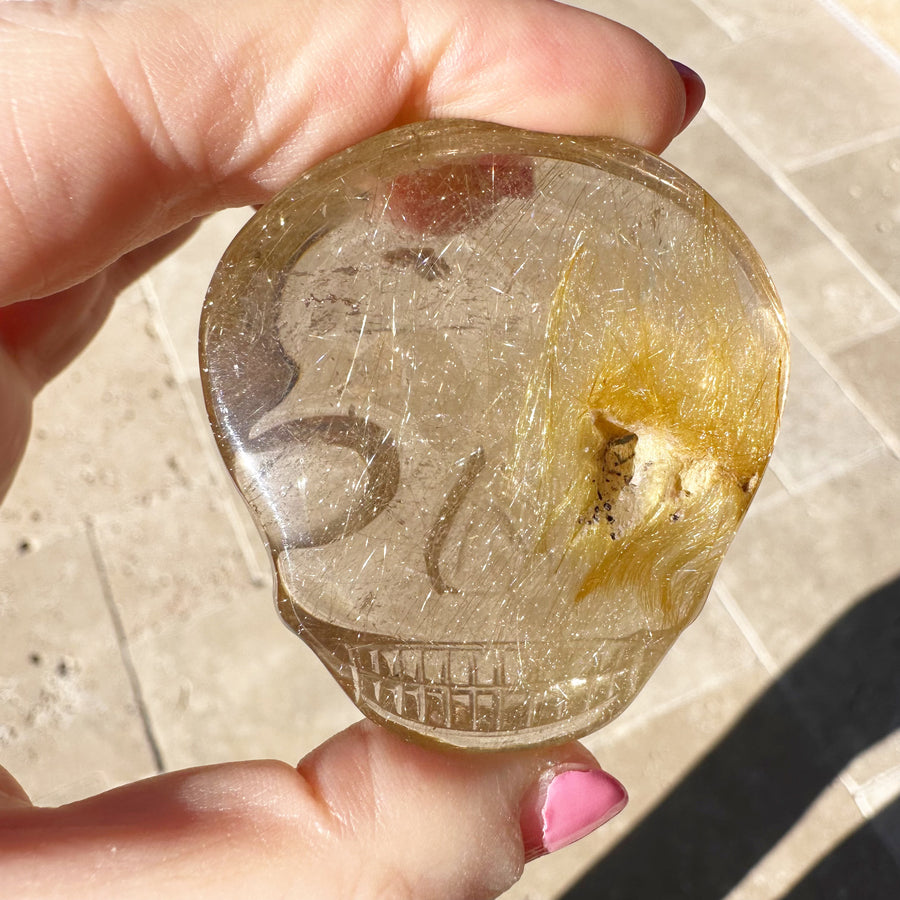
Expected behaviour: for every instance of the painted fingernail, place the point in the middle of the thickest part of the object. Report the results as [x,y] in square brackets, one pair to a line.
[568,806]
[694,91]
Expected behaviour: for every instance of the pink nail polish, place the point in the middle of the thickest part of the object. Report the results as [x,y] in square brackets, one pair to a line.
[571,805]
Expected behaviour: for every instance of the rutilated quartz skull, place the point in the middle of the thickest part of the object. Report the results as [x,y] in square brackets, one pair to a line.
[498,402]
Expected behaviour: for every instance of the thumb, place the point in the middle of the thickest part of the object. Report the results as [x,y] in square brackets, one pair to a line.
[365,815]
[450,825]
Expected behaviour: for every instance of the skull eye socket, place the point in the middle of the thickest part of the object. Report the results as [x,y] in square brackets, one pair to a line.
[331,475]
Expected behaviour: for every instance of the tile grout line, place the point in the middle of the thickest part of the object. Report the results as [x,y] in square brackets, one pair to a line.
[882,429]
[751,635]
[733,608]
[797,487]
[873,139]
[863,33]
[766,505]
[732,33]
[890,776]
[171,354]
[855,790]
[634,721]
[802,202]
[799,199]
[874,331]
[124,649]
[199,425]
[857,795]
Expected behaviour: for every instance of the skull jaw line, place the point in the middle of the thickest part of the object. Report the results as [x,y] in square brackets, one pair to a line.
[466,695]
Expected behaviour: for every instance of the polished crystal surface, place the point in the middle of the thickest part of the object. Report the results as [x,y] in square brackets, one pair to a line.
[498,402]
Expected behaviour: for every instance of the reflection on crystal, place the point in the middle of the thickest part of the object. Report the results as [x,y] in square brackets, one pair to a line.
[498,401]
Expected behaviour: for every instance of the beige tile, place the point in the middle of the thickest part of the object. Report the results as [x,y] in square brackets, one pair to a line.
[245,530]
[235,684]
[170,561]
[878,15]
[795,571]
[829,299]
[742,20]
[71,726]
[180,282]
[824,825]
[804,90]
[873,368]
[859,194]
[822,432]
[775,226]
[653,755]
[222,677]
[707,654]
[680,30]
[110,433]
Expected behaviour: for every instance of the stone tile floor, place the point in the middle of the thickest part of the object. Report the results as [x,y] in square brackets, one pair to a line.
[763,760]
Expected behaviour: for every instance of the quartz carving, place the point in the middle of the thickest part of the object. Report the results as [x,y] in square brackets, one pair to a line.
[498,402]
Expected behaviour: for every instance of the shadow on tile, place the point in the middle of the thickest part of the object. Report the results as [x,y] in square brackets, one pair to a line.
[838,699]
[858,867]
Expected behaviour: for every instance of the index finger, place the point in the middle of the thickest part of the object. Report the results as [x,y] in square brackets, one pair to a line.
[170,110]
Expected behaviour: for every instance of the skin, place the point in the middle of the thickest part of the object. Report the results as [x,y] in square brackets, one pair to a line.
[121,124]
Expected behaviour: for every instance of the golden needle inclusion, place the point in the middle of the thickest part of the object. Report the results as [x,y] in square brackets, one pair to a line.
[498,402]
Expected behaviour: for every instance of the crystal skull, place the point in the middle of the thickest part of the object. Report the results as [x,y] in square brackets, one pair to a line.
[498,402]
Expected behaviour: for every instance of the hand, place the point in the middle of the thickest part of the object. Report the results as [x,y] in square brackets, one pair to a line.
[125,123]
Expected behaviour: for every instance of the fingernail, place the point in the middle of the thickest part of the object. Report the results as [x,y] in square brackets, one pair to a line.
[694,92]
[567,806]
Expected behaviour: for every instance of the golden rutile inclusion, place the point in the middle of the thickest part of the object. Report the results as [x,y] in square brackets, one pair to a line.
[498,401]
